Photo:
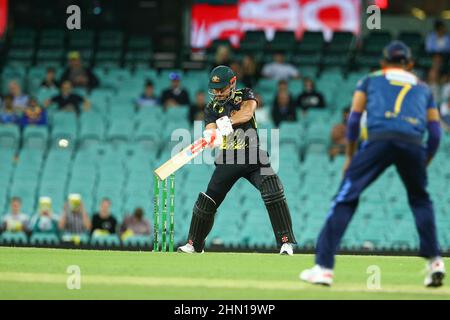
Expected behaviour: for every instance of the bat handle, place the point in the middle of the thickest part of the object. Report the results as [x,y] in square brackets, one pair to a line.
[199,145]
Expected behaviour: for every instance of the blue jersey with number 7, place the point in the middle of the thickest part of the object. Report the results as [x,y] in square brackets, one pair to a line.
[397,102]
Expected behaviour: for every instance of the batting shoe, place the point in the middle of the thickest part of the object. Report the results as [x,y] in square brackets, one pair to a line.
[188,248]
[287,249]
[317,275]
[435,273]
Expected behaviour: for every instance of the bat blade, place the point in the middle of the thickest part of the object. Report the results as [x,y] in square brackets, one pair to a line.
[181,158]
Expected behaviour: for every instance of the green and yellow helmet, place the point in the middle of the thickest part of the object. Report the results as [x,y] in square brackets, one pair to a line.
[220,78]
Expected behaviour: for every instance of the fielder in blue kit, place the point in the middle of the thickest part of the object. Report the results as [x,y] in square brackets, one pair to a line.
[400,109]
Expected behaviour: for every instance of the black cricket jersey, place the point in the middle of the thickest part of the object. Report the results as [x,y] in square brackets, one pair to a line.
[243,136]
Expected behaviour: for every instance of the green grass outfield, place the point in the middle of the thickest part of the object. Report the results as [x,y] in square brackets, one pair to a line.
[28,273]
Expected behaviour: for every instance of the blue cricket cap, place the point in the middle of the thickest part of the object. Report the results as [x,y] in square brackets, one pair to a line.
[397,52]
[174,76]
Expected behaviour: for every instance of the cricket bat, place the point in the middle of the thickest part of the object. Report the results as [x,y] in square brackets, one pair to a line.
[181,158]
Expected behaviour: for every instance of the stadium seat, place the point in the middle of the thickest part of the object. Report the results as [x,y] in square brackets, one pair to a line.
[9,136]
[138,241]
[374,42]
[283,41]
[105,241]
[312,42]
[120,130]
[92,128]
[13,238]
[341,42]
[44,239]
[35,137]
[253,41]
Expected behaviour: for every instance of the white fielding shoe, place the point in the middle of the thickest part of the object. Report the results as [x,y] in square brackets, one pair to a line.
[317,275]
[188,248]
[287,249]
[435,273]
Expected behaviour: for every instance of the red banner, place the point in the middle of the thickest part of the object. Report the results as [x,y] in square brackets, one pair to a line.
[3,16]
[231,21]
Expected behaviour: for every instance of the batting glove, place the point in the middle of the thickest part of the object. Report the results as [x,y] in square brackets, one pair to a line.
[225,126]
[213,138]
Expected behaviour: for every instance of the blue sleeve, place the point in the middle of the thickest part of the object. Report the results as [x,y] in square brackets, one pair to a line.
[431,104]
[362,85]
[353,125]
[434,137]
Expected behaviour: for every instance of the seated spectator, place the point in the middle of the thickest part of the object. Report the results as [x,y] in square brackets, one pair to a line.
[50,79]
[438,41]
[135,225]
[33,114]
[222,56]
[175,95]
[279,69]
[69,101]
[7,113]
[197,110]
[148,97]
[282,87]
[20,100]
[77,74]
[103,223]
[74,219]
[338,137]
[15,220]
[249,75]
[310,98]
[283,109]
[44,221]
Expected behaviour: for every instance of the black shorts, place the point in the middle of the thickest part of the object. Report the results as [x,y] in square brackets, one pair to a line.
[227,173]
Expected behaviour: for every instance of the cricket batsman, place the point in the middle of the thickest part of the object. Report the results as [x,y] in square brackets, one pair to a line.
[400,108]
[230,125]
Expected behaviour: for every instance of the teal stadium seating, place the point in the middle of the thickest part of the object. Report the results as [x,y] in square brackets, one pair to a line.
[114,147]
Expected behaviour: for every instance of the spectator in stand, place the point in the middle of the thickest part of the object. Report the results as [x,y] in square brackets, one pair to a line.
[279,69]
[438,41]
[338,138]
[69,101]
[249,75]
[20,100]
[148,97]
[261,114]
[7,113]
[33,114]
[282,87]
[79,75]
[310,98]
[222,56]
[15,220]
[135,225]
[283,109]
[74,219]
[197,109]
[103,223]
[175,95]
[44,221]
[50,79]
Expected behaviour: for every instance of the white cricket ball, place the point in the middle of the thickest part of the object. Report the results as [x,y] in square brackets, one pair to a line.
[63,143]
